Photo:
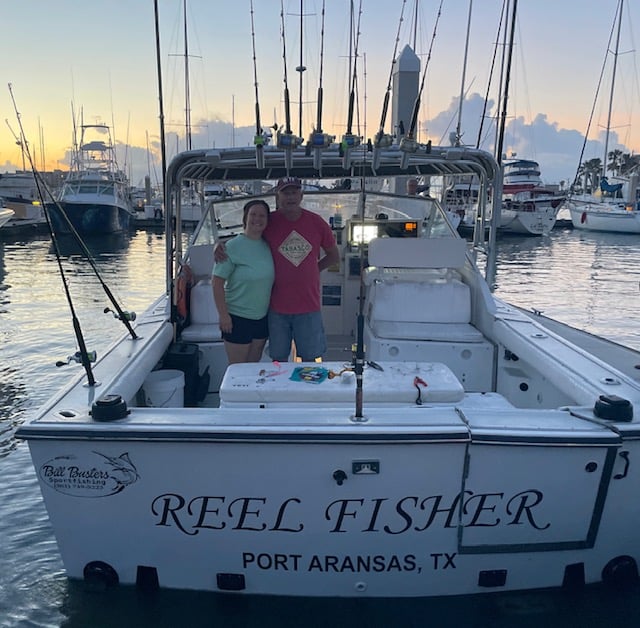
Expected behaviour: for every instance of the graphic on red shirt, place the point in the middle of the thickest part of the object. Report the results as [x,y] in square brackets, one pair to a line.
[295,248]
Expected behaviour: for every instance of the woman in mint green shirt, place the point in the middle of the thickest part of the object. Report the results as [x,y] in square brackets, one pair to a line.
[242,287]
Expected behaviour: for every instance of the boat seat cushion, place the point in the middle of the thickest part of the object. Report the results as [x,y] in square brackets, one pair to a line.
[405,306]
[205,322]
[201,261]
[453,332]
[418,252]
[439,301]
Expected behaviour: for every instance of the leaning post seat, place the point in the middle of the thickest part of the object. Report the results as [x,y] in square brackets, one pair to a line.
[418,308]
[415,291]
[204,323]
[203,315]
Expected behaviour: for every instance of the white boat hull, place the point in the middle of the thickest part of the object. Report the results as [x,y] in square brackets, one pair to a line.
[263,511]
[482,451]
[604,217]
[6,215]
[537,222]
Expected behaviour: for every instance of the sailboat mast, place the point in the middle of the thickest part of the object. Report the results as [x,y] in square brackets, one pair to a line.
[187,96]
[613,85]
[464,74]
[505,94]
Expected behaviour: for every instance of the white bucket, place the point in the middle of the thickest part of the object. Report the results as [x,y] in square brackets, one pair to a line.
[164,389]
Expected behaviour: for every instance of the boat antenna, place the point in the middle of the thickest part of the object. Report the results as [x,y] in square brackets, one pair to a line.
[382,139]
[349,140]
[408,144]
[259,138]
[287,140]
[119,313]
[319,139]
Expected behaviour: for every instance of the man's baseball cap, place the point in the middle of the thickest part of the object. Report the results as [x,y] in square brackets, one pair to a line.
[287,182]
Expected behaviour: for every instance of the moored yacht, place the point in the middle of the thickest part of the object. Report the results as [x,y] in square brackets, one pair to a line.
[95,198]
[529,207]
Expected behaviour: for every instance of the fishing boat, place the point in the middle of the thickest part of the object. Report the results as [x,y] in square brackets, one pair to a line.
[6,214]
[608,203]
[95,198]
[448,443]
[528,207]
[20,194]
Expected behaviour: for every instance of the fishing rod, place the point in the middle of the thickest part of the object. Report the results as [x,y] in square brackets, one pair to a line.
[409,144]
[300,69]
[258,139]
[382,139]
[319,139]
[83,355]
[118,312]
[349,140]
[287,140]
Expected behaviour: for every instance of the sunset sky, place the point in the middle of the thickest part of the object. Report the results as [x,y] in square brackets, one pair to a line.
[99,57]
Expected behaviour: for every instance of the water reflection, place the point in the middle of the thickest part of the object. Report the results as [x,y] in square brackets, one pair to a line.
[586,279]
[13,402]
[107,244]
[595,606]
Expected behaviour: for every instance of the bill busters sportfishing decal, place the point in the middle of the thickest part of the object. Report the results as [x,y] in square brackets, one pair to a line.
[92,475]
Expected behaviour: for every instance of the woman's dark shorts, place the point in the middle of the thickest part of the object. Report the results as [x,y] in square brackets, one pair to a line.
[245,330]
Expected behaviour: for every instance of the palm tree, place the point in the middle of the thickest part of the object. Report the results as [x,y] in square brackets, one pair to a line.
[629,163]
[589,174]
[615,163]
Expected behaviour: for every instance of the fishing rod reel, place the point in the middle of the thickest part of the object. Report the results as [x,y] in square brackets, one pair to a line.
[347,144]
[318,139]
[381,140]
[409,146]
[77,357]
[288,140]
[125,316]
[317,142]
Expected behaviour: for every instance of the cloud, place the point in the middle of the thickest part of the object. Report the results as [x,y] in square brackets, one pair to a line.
[558,150]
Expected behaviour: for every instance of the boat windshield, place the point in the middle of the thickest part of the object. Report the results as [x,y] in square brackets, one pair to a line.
[374,214]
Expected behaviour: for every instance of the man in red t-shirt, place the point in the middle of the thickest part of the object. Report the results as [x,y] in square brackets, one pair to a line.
[296,237]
